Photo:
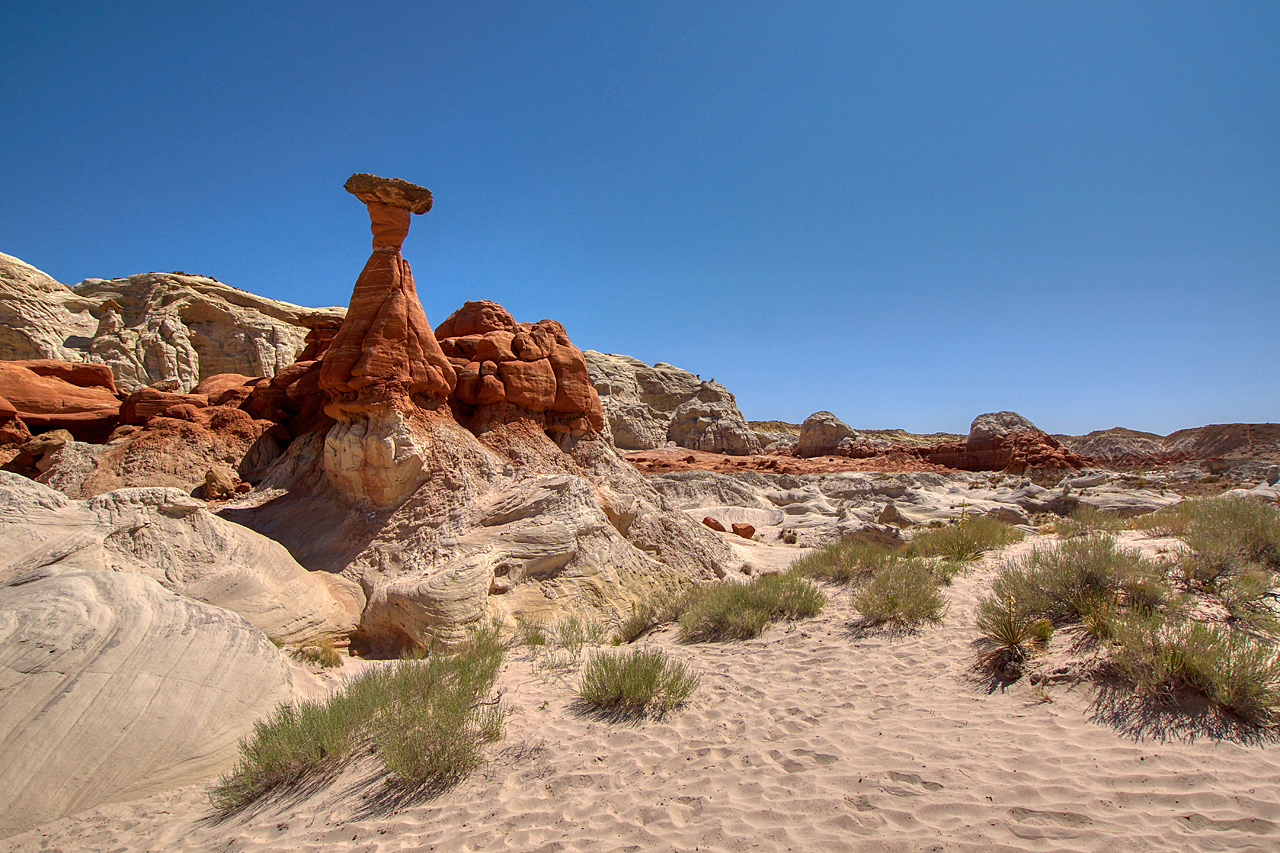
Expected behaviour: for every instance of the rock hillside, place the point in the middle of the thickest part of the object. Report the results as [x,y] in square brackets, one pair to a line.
[167,329]
[648,406]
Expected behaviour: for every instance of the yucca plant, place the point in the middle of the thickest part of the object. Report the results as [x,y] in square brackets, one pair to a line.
[1010,635]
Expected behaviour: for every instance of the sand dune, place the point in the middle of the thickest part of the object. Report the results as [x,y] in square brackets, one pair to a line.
[813,738]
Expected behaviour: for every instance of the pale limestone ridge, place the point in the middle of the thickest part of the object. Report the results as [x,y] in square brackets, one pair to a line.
[152,328]
[648,406]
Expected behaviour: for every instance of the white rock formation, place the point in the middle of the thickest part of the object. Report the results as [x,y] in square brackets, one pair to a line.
[377,458]
[171,537]
[157,328]
[819,507]
[821,434]
[646,407]
[113,688]
[995,424]
[502,525]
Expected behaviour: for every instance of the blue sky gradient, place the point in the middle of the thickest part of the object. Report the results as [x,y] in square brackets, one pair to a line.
[906,213]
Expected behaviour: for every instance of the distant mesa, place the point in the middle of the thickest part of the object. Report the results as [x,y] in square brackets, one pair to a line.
[372,189]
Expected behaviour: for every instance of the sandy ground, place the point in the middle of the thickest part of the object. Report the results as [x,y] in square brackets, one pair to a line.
[810,738]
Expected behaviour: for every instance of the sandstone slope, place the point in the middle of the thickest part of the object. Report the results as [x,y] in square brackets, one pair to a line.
[113,688]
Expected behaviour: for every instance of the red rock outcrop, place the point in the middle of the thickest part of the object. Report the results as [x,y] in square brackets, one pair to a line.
[12,429]
[147,403]
[509,370]
[384,354]
[383,371]
[61,395]
[375,385]
[1018,452]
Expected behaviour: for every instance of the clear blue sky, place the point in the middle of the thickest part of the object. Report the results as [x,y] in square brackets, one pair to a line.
[906,213]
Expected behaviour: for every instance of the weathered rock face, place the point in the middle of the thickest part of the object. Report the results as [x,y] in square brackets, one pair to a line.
[171,537]
[384,353]
[990,426]
[113,688]
[1244,449]
[176,449]
[61,395]
[1004,441]
[383,370]
[39,317]
[167,329]
[814,508]
[504,523]
[646,407]
[474,455]
[509,371]
[820,435]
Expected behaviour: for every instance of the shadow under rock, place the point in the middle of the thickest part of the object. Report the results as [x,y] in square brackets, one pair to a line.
[1184,719]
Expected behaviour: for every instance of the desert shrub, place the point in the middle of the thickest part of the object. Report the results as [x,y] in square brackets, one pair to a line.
[1163,655]
[572,634]
[1086,519]
[531,630]
[966,540]
[636,681]
[1009,635]
[845,561]
[1248,596]
[425,716]
[904,593]
[1228,534]
[434,722]
[1166,521]
[1079,577]
[322,654]
[730,611]
[663,608]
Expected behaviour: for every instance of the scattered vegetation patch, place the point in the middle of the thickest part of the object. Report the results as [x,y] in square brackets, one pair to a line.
[1205,641]
[730,611]
[434,721]
[1009,636]
[663,608]
[1086,519]
[1164,656]
[1229,533]
[966,540]
[1066,582]
[846,561]
[903,593]
[1233,555]
[636,682]
[322,654]
[427,719]
[531,630]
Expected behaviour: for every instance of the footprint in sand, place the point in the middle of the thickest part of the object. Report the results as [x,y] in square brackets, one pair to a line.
[910,779]
[1253,826]
[1033,824]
